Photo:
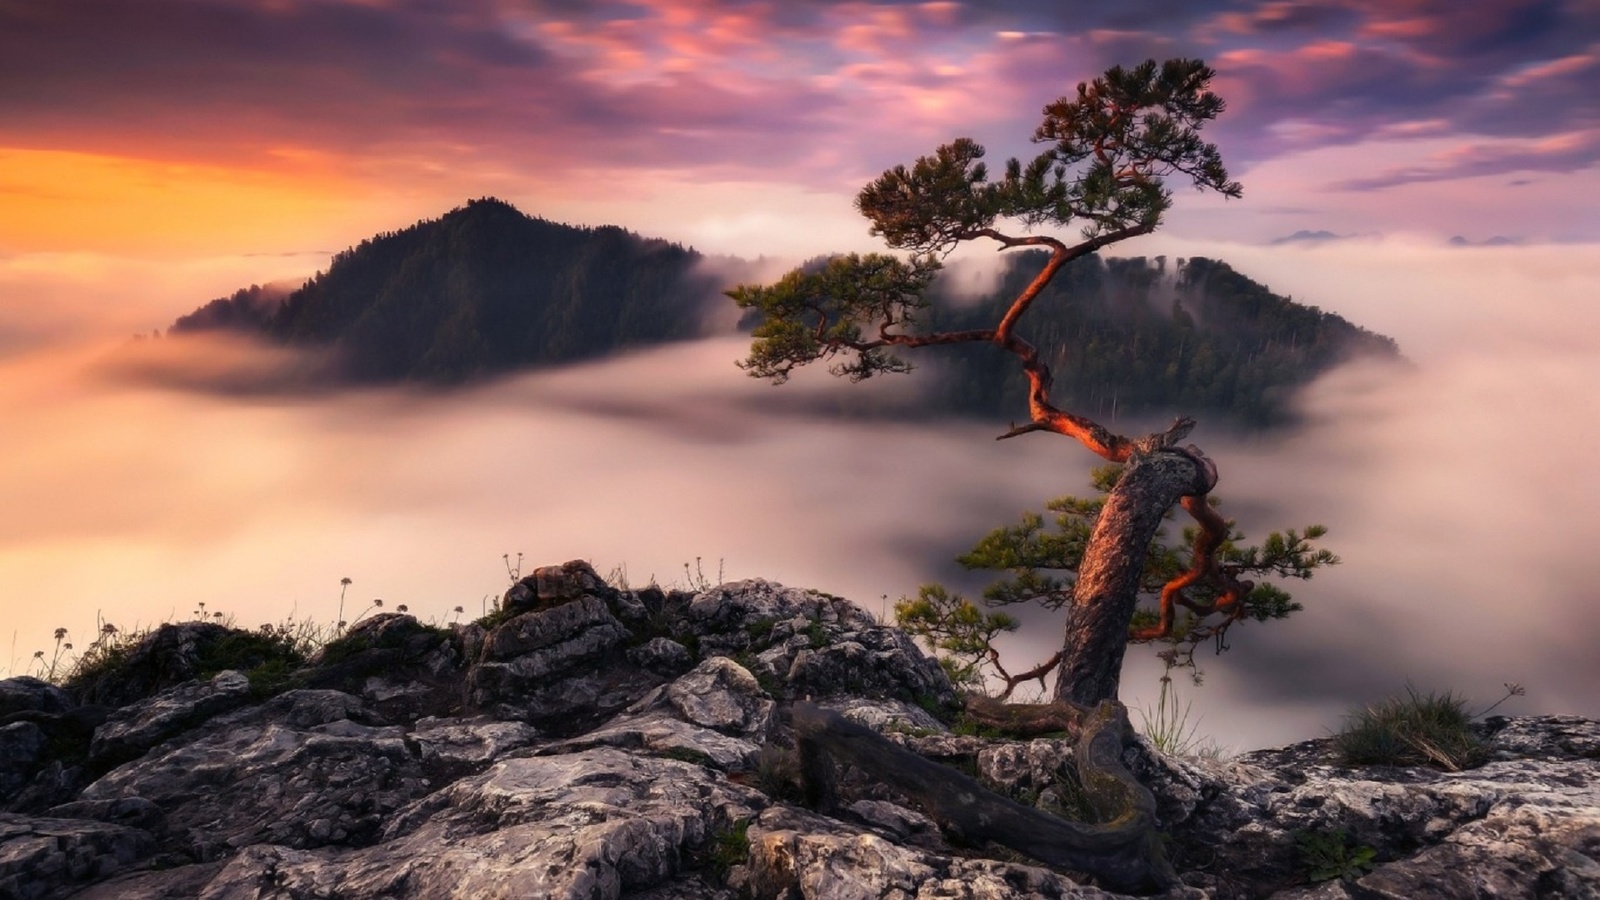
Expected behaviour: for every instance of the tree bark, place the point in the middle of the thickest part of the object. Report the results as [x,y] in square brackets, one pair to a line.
[1026,720]
[1107,590]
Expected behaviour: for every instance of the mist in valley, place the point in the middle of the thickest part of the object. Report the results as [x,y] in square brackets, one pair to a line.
[1458,489]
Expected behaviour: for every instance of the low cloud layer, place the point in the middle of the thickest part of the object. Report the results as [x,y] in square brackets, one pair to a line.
[1457,491]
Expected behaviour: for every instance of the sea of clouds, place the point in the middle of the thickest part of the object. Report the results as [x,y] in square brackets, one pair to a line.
[1459,489]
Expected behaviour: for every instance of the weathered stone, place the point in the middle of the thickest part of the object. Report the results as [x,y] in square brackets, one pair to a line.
[134,812]
[470,742]
[878,662]
[1524,826]
[899,824]
[395,664]
[606,744]
[54,782]
[721,695]
[133,729]
[663,656]
[22,746]
[560,669]
[558,638]
[800,854]
[43,858]
[886,714]
[716,714]
[267,775]
[660,734]
[26,694]
[180,883]
[810,644]
[170,655]
[596,824]
[746,615]
[553,585]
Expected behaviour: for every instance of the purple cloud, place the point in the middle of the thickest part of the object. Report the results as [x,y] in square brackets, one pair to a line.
[813,93]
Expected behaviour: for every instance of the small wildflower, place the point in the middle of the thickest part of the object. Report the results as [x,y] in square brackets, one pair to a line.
[61,634]
[402,608]
[378,603]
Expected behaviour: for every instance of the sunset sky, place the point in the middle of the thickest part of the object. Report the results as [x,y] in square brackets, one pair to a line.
[189,127]
[155,154]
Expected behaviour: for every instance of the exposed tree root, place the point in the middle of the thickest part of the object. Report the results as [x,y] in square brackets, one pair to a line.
[1122,850]
[1027,720]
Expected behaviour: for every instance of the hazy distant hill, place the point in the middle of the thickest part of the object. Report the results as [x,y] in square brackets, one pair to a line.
[481,290]
[486,289]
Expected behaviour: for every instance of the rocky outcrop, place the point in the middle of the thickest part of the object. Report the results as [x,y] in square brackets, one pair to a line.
[590,742]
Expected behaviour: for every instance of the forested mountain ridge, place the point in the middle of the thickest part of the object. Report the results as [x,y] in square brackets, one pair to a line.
[479,291]
[485,290]
[1130,336]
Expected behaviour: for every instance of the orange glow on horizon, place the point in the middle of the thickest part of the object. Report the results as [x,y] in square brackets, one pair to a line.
[65,201]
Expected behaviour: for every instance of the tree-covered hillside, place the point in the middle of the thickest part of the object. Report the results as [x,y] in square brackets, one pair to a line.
[485,289]
[482,290]
[1131,336]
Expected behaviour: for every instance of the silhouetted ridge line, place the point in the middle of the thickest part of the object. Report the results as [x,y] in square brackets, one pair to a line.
[482,290]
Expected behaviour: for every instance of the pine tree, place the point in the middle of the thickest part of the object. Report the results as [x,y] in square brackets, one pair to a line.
[1109,150]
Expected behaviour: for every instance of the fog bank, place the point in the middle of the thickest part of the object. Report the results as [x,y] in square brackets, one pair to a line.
[1458,491]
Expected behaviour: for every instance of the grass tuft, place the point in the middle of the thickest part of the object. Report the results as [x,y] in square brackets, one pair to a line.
[1418,729]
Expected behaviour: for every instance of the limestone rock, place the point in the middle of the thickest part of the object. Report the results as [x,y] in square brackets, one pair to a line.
[44,739]
[561,669]
[663,656]
[135,728]
[721,695]
[296,772]
[553,585]
[28,694]
[604,743]
[813,644]
[167,657]
[597,823]
[395,664]
[22,747]
[43,858]
[800,854]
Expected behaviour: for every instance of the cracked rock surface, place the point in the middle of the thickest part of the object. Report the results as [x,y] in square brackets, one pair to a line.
[595,743]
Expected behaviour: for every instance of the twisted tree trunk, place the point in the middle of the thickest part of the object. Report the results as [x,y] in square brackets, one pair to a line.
[1107,589]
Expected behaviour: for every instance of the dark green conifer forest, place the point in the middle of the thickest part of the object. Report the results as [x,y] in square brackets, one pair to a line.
[478,292]
[1141,336]
[486,290]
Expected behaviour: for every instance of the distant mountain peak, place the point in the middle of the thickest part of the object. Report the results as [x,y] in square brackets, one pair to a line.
[1304,236]
[479,291]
